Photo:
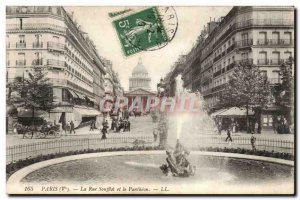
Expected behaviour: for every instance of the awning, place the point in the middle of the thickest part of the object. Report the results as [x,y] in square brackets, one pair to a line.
[86,112]
[28,113]
[73,94]
[80,95]
[235,112]
[217,112]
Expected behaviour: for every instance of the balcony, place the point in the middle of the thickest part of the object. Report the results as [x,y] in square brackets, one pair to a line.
[276,62]
[218,73]
[274,81]
[274,42]
[229,49]
[21,62]
[35,26]
[37,62]
[37,45]
[55,46]
[245,61]
[230,66]
[56,81]
[55,63]
[244,43]
[20,45]
[263,61]
[219,87]
[217,58]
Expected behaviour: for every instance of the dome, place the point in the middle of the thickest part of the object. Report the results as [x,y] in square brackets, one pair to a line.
[139,69]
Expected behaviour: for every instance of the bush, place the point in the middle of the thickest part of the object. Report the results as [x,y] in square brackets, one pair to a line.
[15,166]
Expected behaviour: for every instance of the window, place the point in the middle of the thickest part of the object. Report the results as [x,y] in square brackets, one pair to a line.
[38,38]
[262,38]
[287,54]
[287,38]
[264,73]
[21,38]
[275,38]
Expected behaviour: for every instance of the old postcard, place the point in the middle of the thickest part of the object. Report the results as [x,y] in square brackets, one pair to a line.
[150,100]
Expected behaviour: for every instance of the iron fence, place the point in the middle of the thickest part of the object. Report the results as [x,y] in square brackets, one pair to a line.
[276,145]
[19,152]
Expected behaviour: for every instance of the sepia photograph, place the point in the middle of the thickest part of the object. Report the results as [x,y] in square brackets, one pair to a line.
[150,100]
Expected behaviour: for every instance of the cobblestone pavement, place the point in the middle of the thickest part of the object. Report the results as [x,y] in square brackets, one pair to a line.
[140,126]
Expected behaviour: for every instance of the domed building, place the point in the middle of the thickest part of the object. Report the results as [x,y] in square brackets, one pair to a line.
[139,86]
[139,78]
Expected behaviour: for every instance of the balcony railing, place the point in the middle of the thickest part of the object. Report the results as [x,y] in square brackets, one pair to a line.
[244,43]
[57,81]
[230,66]
[219,87]
[21,45]
[276,61]
[217,58]
[55,63]
[37,62]
[274,42]
[217,73]
[35,26]
[262,61]
[21,62]
[37,45]
[248,61]
[230,48]
[274,80]
[56,46]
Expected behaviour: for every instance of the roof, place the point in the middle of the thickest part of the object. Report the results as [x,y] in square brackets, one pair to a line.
[140,91]
[235,112]
[139,69]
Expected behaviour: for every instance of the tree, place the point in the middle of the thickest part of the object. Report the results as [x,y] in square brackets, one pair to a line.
[284,92]
[34,92]
[248,88]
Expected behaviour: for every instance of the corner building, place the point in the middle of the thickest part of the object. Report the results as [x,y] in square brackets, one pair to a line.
[47,37]
[263,36]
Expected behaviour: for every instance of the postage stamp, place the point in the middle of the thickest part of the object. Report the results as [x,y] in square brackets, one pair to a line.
[142,31]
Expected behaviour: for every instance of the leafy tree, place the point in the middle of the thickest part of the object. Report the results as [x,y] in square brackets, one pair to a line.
[284,92]
[34,92]
[247,88]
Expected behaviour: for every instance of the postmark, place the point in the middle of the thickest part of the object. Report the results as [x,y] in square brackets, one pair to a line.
[147,30]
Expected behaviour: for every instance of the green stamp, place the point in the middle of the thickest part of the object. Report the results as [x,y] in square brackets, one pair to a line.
[141,31]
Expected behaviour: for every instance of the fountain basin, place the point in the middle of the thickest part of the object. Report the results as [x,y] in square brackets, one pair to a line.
[216,173]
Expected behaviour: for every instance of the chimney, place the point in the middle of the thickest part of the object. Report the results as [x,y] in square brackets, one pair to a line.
[211,26]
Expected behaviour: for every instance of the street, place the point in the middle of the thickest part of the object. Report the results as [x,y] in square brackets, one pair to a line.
[140,126]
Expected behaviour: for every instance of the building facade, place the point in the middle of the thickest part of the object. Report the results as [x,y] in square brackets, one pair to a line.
[139,86]
[263,36]
[139,78]
[48,37]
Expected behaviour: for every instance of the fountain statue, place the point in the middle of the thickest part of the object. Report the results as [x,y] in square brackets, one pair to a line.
[177,163]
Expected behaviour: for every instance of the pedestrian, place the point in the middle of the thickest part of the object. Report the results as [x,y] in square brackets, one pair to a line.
[253,140]
[228,135]
[128,125]
[104,129]
[72,127]
[155,134]
[256,127]
[92,125]
[234,127]
[220,126]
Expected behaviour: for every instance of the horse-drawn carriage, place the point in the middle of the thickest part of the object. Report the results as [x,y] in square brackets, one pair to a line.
[42,131]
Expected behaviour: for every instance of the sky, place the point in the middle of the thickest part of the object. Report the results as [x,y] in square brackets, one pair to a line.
[96,22]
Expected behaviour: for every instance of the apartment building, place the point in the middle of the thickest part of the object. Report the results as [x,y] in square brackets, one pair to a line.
[48,37]
[263,36]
